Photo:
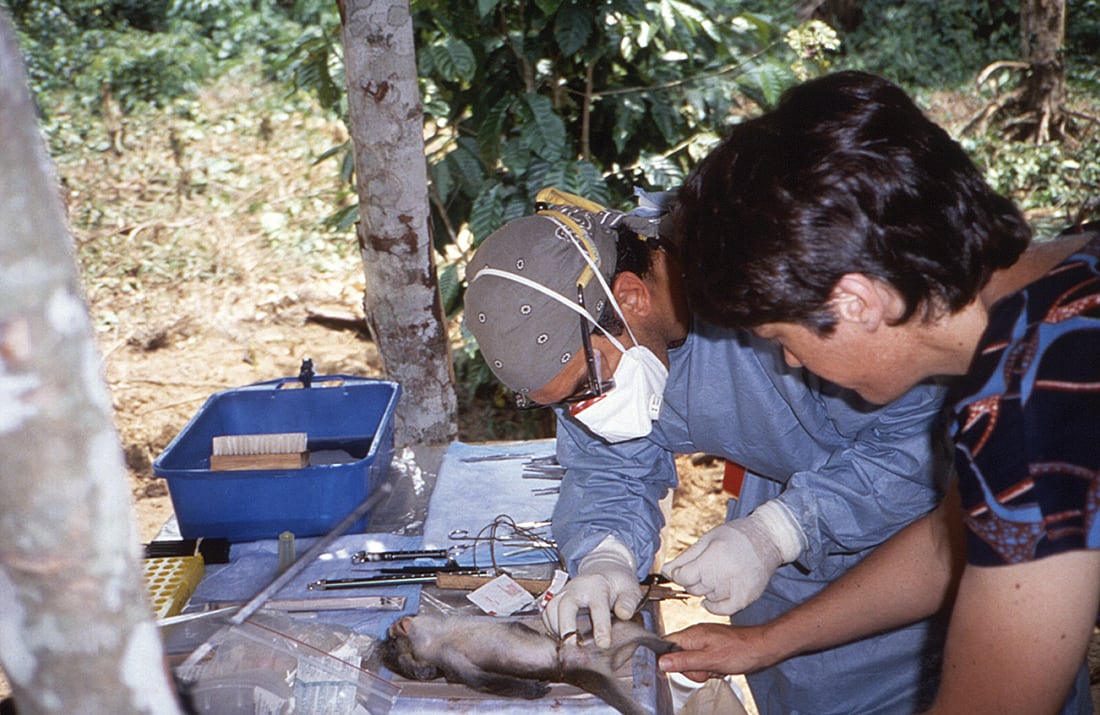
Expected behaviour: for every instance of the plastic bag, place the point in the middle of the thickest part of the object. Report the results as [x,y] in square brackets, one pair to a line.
[274,664]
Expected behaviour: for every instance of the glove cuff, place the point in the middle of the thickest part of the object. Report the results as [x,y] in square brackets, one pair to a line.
[608,553]
[776,519]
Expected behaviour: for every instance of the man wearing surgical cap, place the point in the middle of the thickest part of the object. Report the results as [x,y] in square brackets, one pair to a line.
[527,337]
[580,309]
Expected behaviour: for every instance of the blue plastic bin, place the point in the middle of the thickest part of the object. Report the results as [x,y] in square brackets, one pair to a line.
[338,412]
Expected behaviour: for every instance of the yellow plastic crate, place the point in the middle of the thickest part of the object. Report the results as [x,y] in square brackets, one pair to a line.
[171,581]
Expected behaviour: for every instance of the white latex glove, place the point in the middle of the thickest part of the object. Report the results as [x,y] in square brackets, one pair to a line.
[606,581]
[731,564]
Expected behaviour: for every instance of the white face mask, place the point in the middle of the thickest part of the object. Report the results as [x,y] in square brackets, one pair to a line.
[627,410]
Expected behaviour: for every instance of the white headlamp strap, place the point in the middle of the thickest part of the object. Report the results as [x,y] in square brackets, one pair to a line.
[606,289]
[570,304]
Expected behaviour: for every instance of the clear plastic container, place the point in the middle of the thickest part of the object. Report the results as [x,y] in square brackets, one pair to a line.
[275,664]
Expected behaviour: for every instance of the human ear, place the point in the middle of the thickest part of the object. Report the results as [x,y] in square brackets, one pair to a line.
[632,293]
[859,300]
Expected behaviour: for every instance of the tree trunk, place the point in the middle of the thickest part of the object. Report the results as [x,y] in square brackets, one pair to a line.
[403,305]
[1042,36]
[76,630]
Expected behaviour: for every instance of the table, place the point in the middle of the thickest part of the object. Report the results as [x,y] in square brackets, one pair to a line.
[470,488]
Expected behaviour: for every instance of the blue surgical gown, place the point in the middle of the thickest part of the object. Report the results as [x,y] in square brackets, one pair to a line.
[852,475]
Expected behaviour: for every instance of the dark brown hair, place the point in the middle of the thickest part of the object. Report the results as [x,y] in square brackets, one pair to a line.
[846,175]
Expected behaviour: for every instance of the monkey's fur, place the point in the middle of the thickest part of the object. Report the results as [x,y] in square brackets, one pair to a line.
[507,657]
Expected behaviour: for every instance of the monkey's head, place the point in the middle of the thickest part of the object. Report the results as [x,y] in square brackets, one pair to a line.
[398,652]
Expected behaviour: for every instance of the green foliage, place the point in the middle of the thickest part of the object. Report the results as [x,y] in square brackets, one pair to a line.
[148,53]
[1083,43]
[594,99]
[1083,29]
[314,64]
[932,43]
[1054,177]
[141,68]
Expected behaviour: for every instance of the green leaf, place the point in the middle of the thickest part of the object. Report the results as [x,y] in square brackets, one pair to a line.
[431,98]
[312,73]
[491,128]
[629,113]
[441,179]
[548,7]
[515,207]
[660,171]
[766,82]
[485,215]
[331,152]
[543,130]
[762,28]
[425,64]
[450,289]
[484,7]
[343,219]
[347,165]
[515,155]
[572,27]
[588,182]
[543,174]
[667,119]
[686,14]
[466,168]
[454,60]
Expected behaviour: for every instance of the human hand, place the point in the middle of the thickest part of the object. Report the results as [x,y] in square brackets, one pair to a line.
[606,581]
[731,564]
[714,649]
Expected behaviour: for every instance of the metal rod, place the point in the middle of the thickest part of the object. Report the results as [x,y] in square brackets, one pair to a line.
[363,557]
[328,584]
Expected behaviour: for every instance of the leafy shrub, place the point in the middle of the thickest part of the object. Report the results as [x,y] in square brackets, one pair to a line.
[932,43]
[141,68]
[148,52]
[1083,44]
[1054,177]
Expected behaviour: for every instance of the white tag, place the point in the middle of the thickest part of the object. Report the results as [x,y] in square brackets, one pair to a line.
[556,584]
[500,597]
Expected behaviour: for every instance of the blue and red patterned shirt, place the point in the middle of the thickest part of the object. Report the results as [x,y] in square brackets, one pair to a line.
[1027,420]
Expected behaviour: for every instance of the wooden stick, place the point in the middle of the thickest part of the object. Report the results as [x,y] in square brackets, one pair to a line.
[236,462]
[471,583]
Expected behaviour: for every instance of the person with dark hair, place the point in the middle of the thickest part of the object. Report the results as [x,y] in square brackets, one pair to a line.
[581,309]
[850,230]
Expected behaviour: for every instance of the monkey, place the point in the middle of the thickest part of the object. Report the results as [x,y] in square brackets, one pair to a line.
[511,658]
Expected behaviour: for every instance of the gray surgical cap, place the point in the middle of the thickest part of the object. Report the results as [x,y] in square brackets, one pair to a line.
[526,336]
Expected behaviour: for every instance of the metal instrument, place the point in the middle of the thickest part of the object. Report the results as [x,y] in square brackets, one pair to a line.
[364,557]
[390,579]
